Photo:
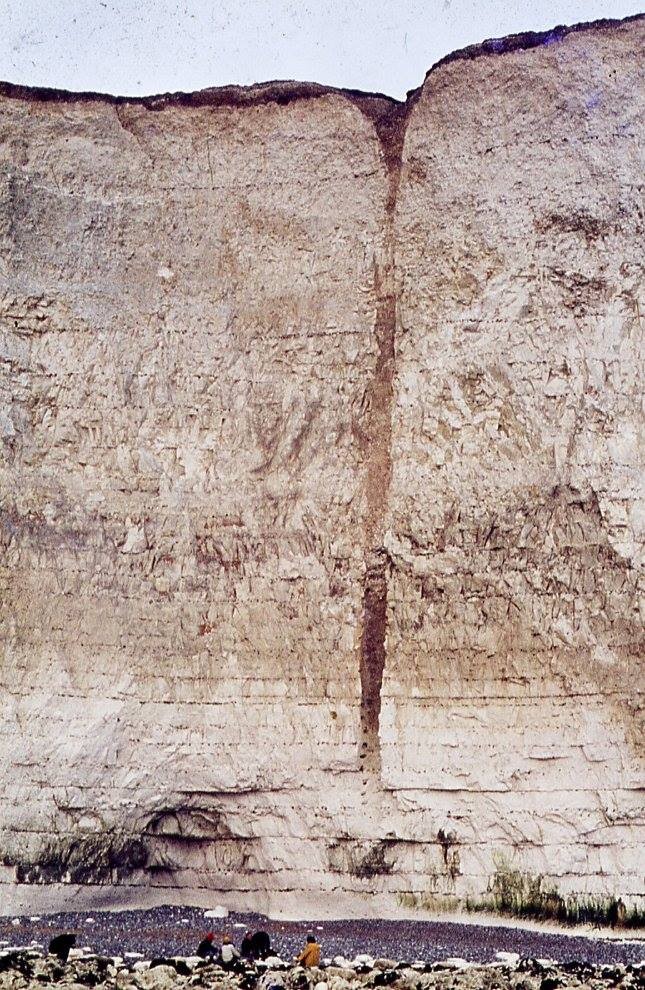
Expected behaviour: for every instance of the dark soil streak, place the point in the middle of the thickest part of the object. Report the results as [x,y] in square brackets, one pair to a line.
[390,128]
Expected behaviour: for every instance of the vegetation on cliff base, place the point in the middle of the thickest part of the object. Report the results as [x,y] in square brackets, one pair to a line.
[520,894]
[527,895]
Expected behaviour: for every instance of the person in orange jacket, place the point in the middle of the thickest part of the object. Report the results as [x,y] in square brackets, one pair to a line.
[310,955]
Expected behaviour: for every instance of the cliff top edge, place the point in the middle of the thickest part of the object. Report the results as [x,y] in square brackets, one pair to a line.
[283,92]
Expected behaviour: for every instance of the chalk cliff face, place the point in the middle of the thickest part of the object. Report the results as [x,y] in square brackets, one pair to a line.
[322,519]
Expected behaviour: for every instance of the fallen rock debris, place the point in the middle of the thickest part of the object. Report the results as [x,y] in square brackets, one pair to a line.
[26,967]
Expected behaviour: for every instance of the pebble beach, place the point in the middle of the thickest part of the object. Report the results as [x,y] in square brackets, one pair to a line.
[176,931]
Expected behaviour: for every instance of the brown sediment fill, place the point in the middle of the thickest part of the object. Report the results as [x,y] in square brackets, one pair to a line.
[390,128]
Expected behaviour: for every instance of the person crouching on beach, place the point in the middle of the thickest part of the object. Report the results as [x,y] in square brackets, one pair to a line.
[206,949]
[228,954]
[310,955]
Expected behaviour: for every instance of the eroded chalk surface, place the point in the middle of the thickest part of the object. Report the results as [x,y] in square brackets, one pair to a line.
[322,512]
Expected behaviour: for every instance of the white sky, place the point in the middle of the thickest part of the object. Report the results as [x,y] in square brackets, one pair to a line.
[136,47]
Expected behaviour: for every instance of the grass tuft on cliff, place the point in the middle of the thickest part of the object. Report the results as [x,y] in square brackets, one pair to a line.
[526,895]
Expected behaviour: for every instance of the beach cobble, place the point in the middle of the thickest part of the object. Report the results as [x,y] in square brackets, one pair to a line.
[24,969]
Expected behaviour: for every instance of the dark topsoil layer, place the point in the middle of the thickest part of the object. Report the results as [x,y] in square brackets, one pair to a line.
[167,931]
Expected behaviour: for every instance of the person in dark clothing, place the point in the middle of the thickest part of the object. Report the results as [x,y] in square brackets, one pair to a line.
[261,945]
[60,945]
[206,949]
[246,948]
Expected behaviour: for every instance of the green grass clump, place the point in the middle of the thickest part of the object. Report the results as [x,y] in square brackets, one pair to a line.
[439,903]
[526,895]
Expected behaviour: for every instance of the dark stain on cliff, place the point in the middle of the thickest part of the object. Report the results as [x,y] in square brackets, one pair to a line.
[378,474]
[373,653]
[377,443]
[97,858]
